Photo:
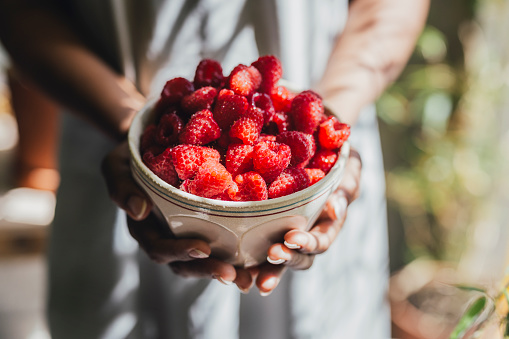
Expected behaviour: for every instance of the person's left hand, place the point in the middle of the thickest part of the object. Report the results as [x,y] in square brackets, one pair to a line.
[299,248]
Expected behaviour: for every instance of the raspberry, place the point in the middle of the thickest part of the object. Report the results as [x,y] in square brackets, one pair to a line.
[250,187]
[255,114]
[271,71]
[244,80]
[282,98]
[315,175]
[162,166]
[306,111]
[148,138]
[302,145]
[266,137]
[324,159]
[270,159]
[188,158]
[212,179]
[202,98]
[229,108]
[332,133]
[289,181]
[245,129]
[200,130]
[282,122]
[239,158]
[174,90]
[263,102]
[209,73]
[168,129]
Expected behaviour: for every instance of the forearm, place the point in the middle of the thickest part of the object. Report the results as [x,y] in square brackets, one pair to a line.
[46,51]
[376,44]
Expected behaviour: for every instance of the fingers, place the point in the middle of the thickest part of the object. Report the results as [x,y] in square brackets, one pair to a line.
[206,268]
[161,249]
[245,279]
[122,188]
[268,277]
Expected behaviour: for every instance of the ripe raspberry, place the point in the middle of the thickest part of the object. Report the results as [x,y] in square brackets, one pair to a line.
[148,138]
[168,130]
[306,111]
[332,133]
[246,130]
[289,181]
[270,159]
[212,179]
[302,145]
[263,102]
[315,175]
[255,114]
[188,158]
[250,187]
[282,98]
[266,137]
[244,80]
[229,108]
[239,158]
[174,90]
[282,122]
[209,73]
[200,130]
[202,98]
[271,71]
[162,166]
[324,159]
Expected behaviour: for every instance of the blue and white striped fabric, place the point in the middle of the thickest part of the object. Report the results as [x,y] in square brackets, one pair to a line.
[102,287]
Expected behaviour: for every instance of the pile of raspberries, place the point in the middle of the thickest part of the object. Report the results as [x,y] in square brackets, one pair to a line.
[242,137]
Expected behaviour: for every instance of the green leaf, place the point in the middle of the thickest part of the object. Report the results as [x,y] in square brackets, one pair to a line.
[470,288]
[469,318]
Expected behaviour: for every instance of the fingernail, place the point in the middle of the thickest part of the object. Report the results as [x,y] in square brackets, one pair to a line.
[244,290]
[339,205]
[268,286]
[197,254]
[292,246]
[276,262]
[137,206]
[221,280]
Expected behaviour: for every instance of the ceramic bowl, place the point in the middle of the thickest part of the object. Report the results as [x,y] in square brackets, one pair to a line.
[238,232]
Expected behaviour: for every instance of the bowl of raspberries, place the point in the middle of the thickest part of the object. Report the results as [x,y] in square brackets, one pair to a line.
[237,160]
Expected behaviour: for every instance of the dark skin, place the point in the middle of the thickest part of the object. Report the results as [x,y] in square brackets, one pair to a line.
[374,47]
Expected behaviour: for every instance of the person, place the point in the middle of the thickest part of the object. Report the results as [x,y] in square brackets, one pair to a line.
[101,59]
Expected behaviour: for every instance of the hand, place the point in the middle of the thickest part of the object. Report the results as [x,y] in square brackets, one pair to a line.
[186,257]
[300,247]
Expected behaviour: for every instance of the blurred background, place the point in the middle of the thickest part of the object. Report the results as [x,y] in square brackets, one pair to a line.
[445,134]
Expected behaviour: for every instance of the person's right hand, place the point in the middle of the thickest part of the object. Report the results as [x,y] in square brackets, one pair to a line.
[186,257]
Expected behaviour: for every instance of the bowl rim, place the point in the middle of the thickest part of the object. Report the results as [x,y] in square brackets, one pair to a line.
[137,127]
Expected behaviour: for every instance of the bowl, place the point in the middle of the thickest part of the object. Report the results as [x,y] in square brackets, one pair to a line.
[239,233]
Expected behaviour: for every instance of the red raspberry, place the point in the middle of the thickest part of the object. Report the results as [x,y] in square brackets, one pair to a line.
[148,138]
[271,71]
[332,133]
[282,98]
[209,73]
[302,145]
[289,181]
[306,111]
[174,90]
[168,130]
[188,158]
[315,175]
[212,179]
[200,130]
[239,158]
[255,114]
[263,102]
[244,80]
[282,121]
[324,159]
[229,108]
[250,187]
[266,137]
[162,166]
[270,159]
[202,98]
[246,130]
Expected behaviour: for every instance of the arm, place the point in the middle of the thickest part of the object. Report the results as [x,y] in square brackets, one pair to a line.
[47,52]
[376,44]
